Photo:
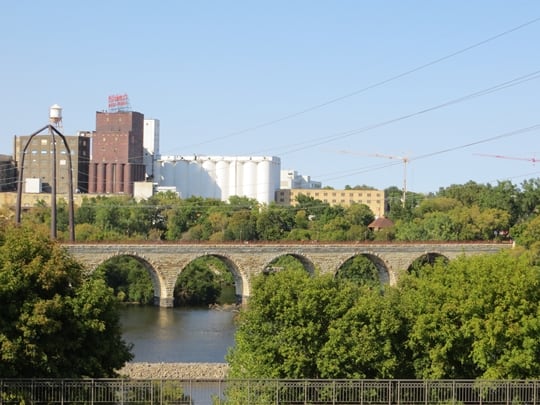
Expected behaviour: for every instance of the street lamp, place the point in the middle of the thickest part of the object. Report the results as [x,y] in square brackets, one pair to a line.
[52,132]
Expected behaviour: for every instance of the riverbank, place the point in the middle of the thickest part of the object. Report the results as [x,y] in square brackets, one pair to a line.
[175,370]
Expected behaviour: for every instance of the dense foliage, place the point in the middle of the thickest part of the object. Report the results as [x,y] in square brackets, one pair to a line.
[54,322]
[203,282]
[457,213]
[128,278]
[450,320]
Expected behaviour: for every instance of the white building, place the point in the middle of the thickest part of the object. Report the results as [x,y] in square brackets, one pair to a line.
[290,179]
[151,146]
[221,177]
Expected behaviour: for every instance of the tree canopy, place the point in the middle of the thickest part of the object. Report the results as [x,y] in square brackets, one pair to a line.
[454,319]
[55,321]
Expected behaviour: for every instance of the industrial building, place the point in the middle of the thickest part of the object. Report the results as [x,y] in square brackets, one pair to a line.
[374,199]
[292,179]
[39,160]
[151,146]
[221,177]
[8,174]
[117,153]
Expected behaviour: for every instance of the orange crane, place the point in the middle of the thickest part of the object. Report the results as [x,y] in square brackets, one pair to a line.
[533,160]
[404,159]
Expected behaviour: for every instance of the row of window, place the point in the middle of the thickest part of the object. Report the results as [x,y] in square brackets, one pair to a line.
[62,152]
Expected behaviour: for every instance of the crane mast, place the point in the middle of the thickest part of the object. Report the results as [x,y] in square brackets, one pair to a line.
[405,161]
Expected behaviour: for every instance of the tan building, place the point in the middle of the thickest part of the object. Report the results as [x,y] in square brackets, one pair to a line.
[39,158]
[374,199]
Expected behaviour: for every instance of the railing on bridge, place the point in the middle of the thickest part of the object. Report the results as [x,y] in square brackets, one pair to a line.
[247,392]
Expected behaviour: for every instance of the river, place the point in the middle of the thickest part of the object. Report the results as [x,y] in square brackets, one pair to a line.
[178,335]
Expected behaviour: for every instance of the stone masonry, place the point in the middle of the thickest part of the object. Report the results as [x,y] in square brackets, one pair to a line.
[165,261]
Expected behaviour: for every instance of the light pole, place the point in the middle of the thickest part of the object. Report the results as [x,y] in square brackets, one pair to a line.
[52,132]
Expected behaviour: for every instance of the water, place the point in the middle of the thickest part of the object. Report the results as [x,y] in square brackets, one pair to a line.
[178,335]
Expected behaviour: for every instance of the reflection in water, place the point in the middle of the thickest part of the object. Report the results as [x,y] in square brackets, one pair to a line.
[183,335]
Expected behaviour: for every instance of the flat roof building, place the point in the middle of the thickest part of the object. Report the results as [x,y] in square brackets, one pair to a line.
[39,160]
[374,199]
[117,152]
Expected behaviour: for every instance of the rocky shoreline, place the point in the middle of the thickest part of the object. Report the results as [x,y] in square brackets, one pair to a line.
[192,371]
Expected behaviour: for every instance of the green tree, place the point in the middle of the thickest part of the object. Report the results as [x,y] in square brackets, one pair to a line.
[129,280]
[464,322]
[202,282]
[286,325]
[367,341]
[54,322]
[360,270]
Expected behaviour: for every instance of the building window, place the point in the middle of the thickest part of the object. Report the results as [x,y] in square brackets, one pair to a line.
[44,142]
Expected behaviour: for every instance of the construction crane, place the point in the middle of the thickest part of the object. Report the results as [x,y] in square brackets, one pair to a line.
[533,160]
[405,161]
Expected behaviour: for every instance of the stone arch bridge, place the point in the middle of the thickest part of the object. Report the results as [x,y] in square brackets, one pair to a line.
[166,261]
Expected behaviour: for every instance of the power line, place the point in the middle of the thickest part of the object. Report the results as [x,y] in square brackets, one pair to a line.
[341,135]
[369,87]
[520,131]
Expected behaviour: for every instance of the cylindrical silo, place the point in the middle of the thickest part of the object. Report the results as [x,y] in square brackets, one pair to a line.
[222,179]
[208,178]
[264,193]
[249,179]
[194,186]
[235,177]
[182,177]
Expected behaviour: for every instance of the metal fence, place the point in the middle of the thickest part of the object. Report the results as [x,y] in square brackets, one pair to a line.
[263,392]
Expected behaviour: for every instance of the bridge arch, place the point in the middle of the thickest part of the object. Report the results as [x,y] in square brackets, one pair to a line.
[249,259]
[380,264]
[304,261]
[241,284]
[158,284]
[425,259]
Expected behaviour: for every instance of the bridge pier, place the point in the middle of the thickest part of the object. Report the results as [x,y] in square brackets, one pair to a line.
[165,302]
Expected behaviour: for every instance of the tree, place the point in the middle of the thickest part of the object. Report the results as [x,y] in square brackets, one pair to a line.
[465,322]
[54,322]
[286,325]
[201,282]
[128,278]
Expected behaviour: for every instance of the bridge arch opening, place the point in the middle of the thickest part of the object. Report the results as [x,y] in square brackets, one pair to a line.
[208,280]
[132,278]
[365,269]
[427,259]
[289,261]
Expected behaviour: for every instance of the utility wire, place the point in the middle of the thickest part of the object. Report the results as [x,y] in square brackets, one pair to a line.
[369,87]
[501,86]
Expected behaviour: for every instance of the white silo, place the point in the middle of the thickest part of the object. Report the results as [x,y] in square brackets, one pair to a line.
[194,178]
[249,179]
[165,178]
[222,178]
[182,176]
[208,178]
[235,176]
[264,194]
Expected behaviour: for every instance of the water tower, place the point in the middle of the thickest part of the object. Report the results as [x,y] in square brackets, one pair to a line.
[55,116]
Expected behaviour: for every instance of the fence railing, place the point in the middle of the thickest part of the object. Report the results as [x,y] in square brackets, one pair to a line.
[263,392]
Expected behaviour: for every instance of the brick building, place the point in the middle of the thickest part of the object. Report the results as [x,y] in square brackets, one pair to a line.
[117,153]
[38,162]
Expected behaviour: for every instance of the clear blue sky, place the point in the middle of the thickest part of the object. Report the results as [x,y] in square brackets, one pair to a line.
[302,80]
